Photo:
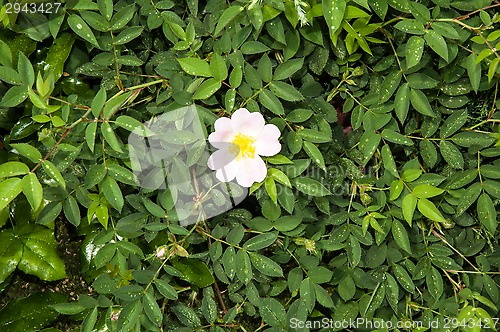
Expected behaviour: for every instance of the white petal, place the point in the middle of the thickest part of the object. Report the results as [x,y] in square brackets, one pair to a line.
[247,123]
[266,141]
[250,171]
[223,133]
[227,173]
[220,159]
[223,124]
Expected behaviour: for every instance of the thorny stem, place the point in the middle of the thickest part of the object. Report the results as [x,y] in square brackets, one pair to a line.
[455,250]
[473,29]
[463,17]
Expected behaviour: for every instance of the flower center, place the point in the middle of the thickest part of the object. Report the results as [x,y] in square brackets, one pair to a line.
[243,145]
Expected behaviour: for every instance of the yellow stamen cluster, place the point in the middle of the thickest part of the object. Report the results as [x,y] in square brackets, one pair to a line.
[243,145]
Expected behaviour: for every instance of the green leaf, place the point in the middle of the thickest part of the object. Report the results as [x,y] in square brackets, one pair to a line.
[271,189]
[195,67]
[207,88]
[129,316]
[395,137]
[33,190]
[470,196]
[402,102]
[453,123]
[411,26]
[414,50]
[265,265]
[243,267]
[287,223]
[236,77]
[122,17]
[334,11]
[78,25]
[426,191]
[27,151]
[468,139]
[396,189]
[260,241]
[166,289]
[353,250]
[90,132]
[369,144]
[486,213]
[269,101]
[285,91]
[310,187]
[106,8]
[420,102]
[90,320]
[434,283]
[403,278]
[5,54]
[408,205]
[437,43]
[315,154]
[279,176]
[25,70]
[429,210]
[110,137]
[227,16]
[11,251]
[253,47]
[391,291]
[265,68]
[347,288]
[98,102]
[127,35]
[411,174]
[388,160]
[474,71]
[314,136]
[40,256]
[389,86]
[288,68]
[272,312]
[492,69]
[13,168]
[152,309]
[71,210]
[208,306]
[451,154]
[299,115]
[58,54]
[114,104]
[10,76]
[53,172]
[218,67]
[9,189]
[32,313]
[70,308]
[112,192]
[195,271]
[400,235]
[14,96]
[376,299]
[323,297]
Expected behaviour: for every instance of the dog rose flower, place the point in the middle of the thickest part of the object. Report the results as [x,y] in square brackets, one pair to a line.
[240,141]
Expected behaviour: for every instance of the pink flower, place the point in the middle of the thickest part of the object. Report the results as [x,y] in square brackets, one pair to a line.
[240,141]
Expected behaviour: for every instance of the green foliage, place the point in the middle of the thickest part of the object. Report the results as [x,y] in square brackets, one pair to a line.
[382,203]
